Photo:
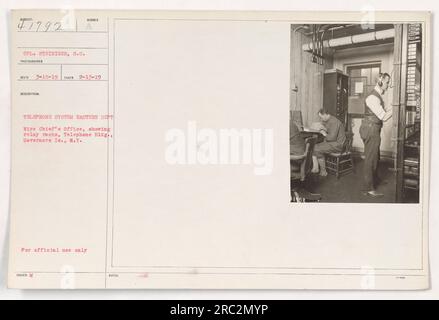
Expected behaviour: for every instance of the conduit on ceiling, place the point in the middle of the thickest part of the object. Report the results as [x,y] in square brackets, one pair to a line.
[354,39]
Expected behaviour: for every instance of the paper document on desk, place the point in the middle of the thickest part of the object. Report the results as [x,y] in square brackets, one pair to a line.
[150,150]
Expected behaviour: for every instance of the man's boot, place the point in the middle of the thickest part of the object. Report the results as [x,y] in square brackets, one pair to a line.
[315,165]
[322,165]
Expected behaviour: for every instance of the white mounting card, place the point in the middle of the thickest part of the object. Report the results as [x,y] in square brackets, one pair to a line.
[152,149]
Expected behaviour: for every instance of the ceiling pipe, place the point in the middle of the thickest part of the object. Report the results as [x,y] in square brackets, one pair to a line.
[304,27]
[331,27]
[354,39]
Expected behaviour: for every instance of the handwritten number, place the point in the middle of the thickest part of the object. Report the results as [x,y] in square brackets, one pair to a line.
[39,26]
[21,25]
[48,24]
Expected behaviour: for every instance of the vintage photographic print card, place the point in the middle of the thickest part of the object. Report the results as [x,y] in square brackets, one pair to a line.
[219,150]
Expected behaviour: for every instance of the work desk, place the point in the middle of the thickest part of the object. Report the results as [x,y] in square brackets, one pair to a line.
[312,133]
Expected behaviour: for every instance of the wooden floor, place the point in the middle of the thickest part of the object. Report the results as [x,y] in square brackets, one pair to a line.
[348,188]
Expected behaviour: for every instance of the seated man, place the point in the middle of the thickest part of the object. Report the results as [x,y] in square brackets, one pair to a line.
[334,140]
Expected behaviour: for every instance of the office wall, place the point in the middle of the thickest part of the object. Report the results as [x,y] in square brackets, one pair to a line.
[308,77]
[379,53]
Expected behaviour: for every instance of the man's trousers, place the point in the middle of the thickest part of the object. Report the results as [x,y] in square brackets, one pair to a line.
[371,135]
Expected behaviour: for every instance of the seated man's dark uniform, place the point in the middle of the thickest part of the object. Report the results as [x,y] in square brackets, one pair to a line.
[334,140]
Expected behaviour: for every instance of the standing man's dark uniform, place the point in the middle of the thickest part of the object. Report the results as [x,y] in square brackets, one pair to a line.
[370,132]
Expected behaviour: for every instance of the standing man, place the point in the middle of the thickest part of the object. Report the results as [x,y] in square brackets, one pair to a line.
[370,131]
[335,138]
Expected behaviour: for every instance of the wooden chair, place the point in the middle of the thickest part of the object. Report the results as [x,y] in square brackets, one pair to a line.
[340,163]
[301,166]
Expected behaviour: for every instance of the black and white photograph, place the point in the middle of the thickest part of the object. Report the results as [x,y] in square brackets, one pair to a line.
[355,113]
